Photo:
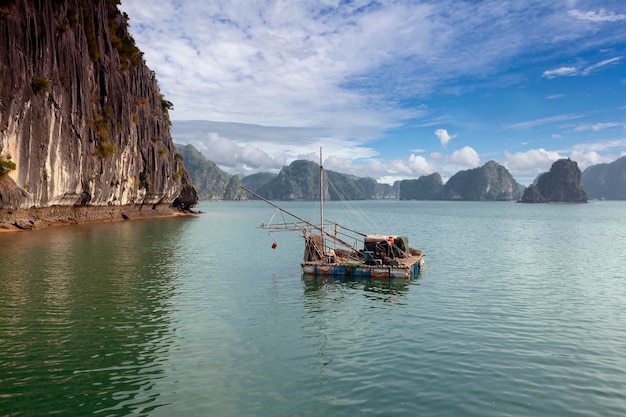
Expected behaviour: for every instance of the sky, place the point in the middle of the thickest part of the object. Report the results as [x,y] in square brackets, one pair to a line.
[391,89]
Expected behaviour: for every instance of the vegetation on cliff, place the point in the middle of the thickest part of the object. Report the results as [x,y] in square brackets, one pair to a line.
[301,181]
[6,166]
[491,182]
[298,181]
[426,187]
[255,181]
[211,182]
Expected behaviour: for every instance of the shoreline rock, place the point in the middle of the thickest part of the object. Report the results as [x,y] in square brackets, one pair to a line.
[14,220]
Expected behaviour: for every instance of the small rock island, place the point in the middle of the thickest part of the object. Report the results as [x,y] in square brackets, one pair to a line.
[562,184]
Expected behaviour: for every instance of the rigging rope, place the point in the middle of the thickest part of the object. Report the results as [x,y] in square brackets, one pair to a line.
[359,213]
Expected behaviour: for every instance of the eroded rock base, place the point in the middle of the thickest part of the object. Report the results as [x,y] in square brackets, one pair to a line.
[37,218]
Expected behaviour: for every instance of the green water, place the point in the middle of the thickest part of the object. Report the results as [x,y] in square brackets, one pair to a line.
[519,312]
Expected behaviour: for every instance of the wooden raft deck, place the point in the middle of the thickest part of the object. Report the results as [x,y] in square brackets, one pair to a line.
[406,268]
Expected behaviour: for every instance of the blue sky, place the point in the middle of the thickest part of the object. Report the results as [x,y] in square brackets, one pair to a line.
[391,89]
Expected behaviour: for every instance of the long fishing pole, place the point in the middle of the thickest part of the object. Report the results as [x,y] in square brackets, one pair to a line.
[308,223]
[280,208]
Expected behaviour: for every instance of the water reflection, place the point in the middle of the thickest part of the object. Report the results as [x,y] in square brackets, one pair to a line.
[383,289]
[85,309]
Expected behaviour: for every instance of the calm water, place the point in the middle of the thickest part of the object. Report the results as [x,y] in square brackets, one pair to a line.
[520,312]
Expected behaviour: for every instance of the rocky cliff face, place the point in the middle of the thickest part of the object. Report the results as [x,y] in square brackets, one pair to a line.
[606,180]
[491,182]
[254,182]
[426,187]
[562,184]
[300,180]
[211,182]
[532,195]
[81,116]
[297,181]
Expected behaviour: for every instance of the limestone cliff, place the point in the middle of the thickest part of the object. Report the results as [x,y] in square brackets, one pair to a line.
[300,180]
[82,119]
[426,187]
[606,180]
[211,182]
[562,184]
[491,182]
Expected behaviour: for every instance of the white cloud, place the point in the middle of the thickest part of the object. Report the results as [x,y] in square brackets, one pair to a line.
[573,71]
[272,81]
[546,120]
[228,153]
[597,16]
[281,63]
[526,166]
[420,165]
[586,159]
[530,163]
[613,146]
[595,127]
[531,159]
[334,163]
[282,145]
[598,152]
[314,63]
[384,171]
[601,64]
[560,72]
[466,157]
[444,136]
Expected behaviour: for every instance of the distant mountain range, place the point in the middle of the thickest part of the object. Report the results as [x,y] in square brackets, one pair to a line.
[491,182]
[606,181]
[211,182]
[297,181]
[300,181]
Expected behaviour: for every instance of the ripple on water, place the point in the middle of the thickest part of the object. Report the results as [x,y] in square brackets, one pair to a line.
[193,317]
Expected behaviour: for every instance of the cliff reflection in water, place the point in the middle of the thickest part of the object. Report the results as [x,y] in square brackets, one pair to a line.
[84,317]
